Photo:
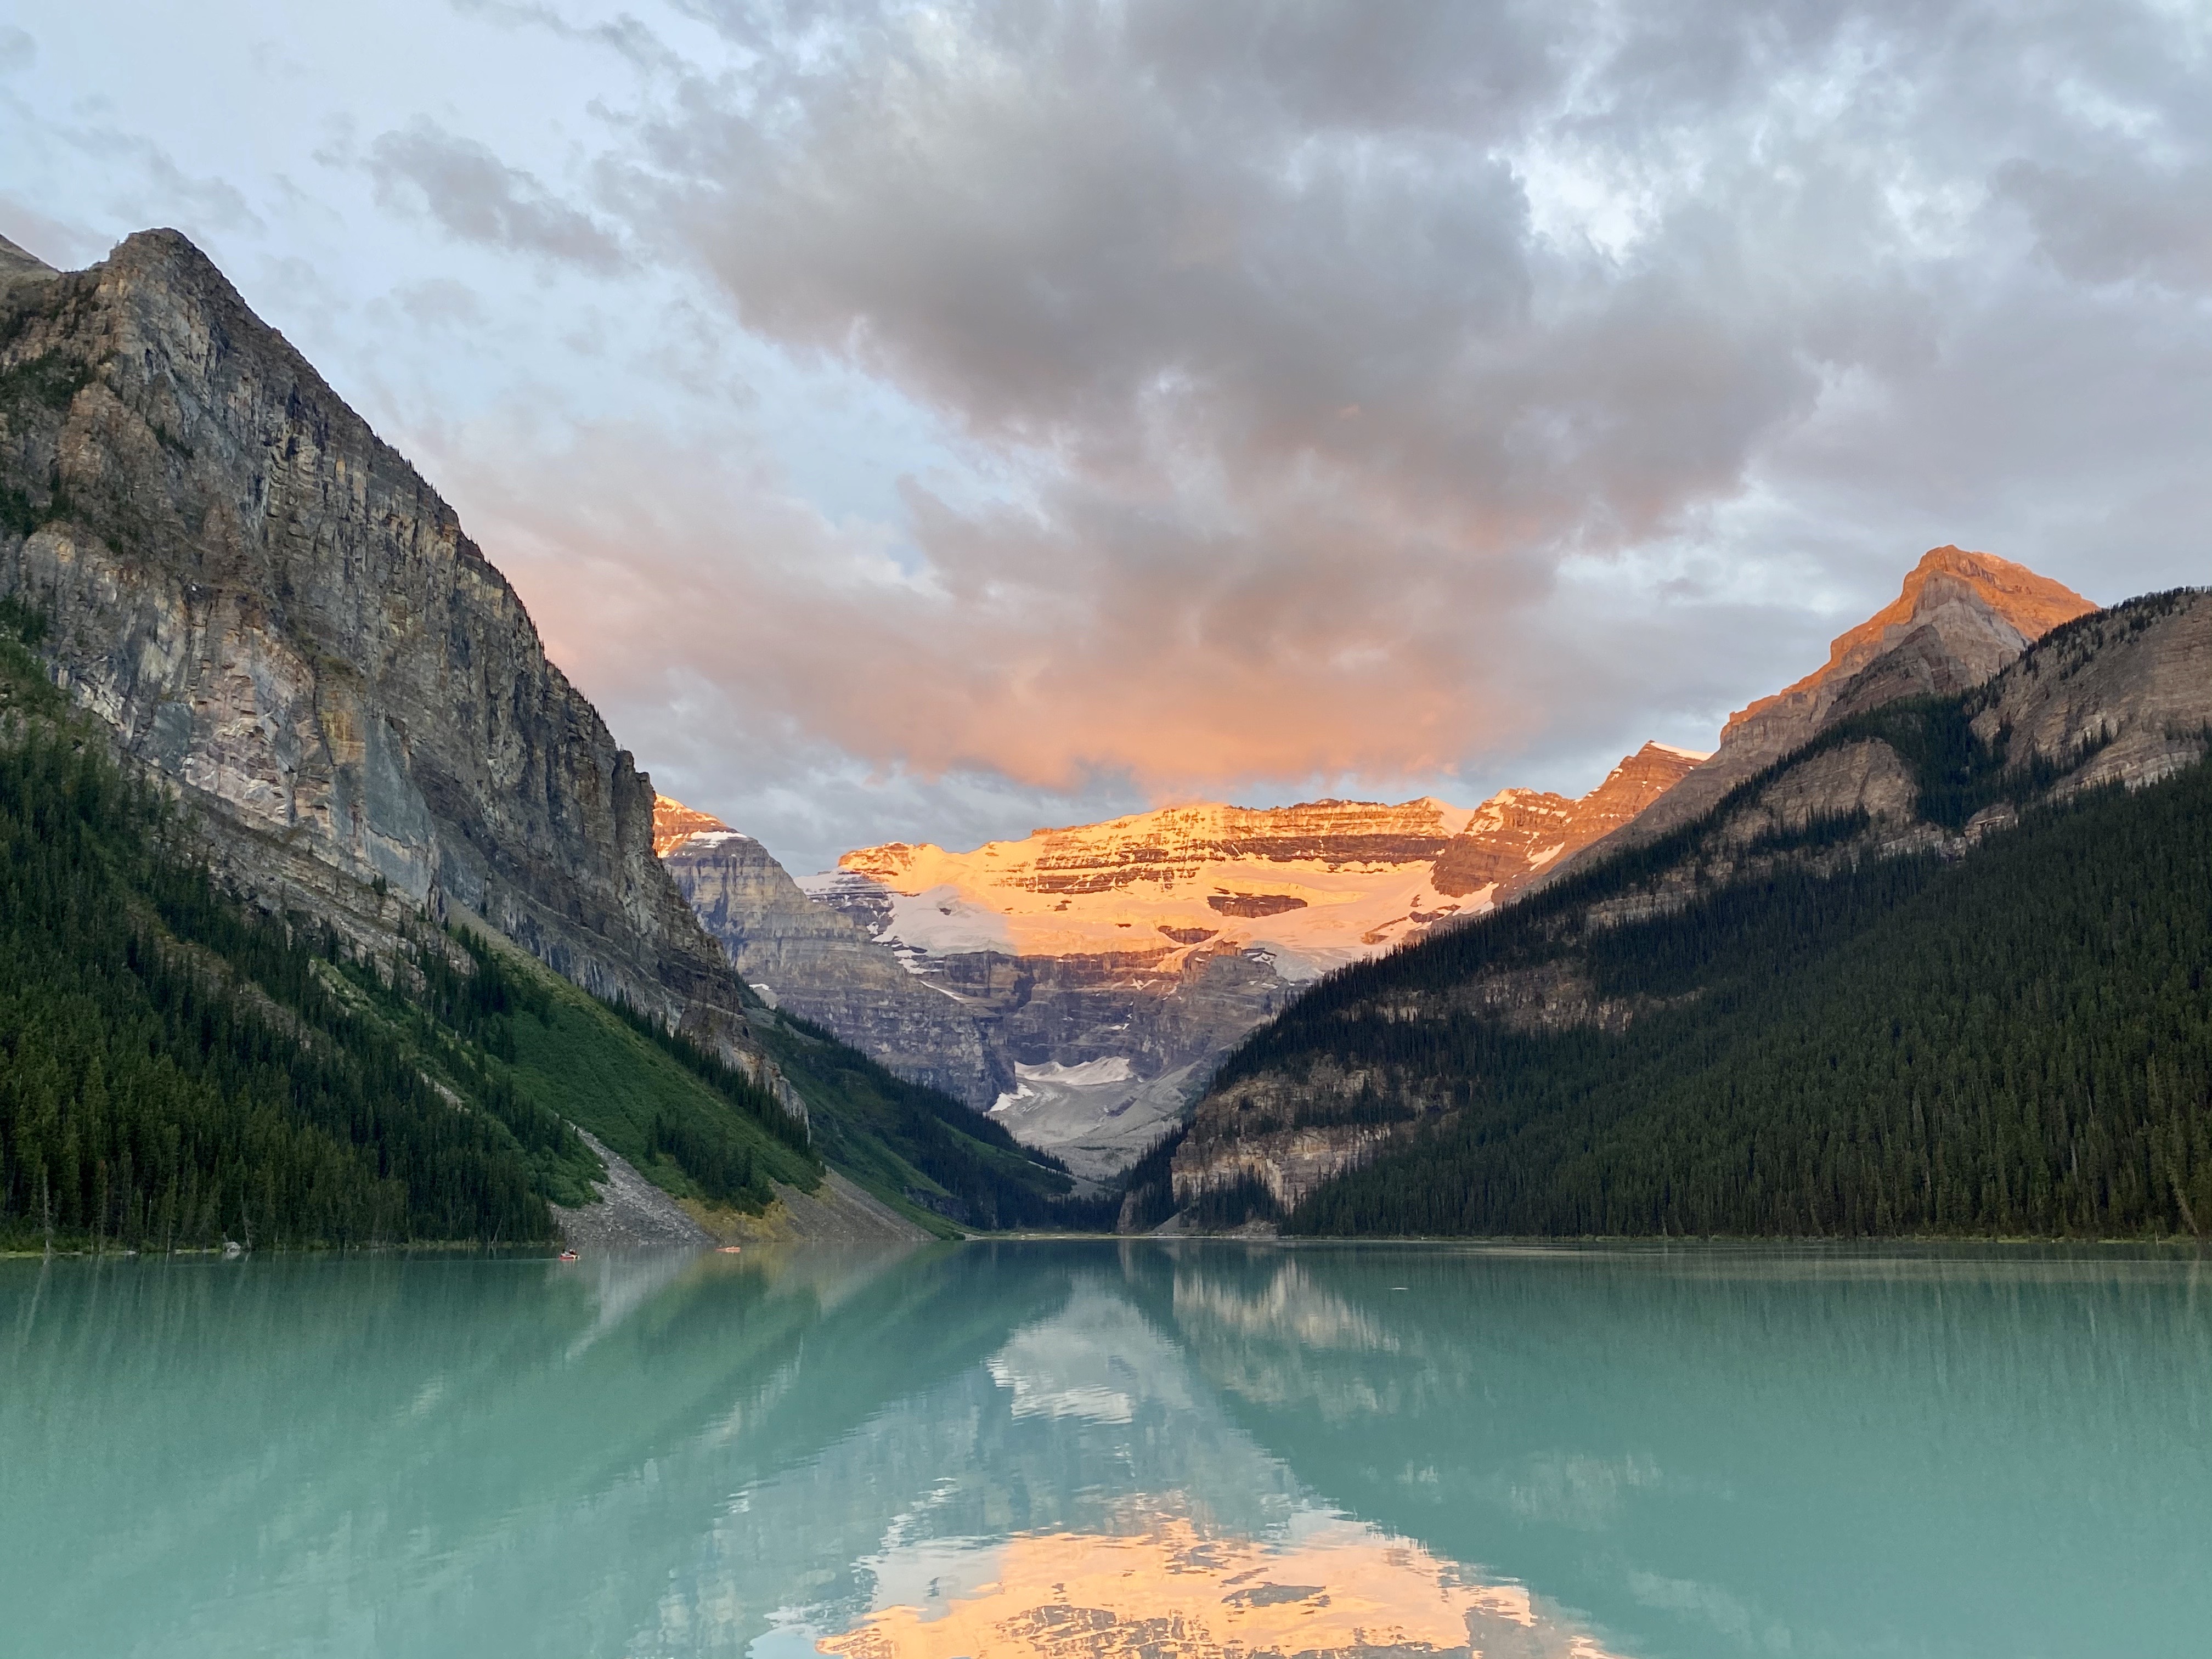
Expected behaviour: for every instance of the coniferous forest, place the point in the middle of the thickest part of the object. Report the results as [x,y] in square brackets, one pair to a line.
[2016,1043]
[176,1070]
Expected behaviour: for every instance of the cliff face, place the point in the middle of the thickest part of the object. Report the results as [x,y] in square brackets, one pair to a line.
[1081,983]
[274,612]
[2116,697]
[816,963]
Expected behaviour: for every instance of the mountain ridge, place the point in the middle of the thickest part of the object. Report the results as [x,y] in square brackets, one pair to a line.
[269,615]
[1959,618]
[2118,700]
[1079,983]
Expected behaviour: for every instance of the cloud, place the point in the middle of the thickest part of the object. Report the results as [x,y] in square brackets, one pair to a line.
[1299,393]
[971,410]
[1374,393]
[2120,220]
[475,196]
[442,303]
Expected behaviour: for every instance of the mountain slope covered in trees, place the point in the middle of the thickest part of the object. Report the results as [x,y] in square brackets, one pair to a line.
[1832,1027]
[179,1069]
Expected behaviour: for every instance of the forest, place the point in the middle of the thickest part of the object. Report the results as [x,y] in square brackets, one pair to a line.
[178,1071]
[918,1146]
[2016,1043]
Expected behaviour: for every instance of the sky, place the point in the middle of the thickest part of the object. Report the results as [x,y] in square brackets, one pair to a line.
[927,422]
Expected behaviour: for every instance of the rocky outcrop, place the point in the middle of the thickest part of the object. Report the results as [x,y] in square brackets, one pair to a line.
[2123,696]
[816,963]
[1516,836]
[15,262]
[1288,1135]
[275,614]
[674,823]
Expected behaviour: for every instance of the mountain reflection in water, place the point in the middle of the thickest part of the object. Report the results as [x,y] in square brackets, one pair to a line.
[995,1451]
[1340,1589]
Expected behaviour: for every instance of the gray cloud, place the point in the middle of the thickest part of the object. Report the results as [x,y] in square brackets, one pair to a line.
[2122,219]
[1330,396]
[1318,338]
[477,197]
[441,303]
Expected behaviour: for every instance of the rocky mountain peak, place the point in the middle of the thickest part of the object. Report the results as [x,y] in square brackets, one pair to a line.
[1980,612]
[15,262]
[674,823]
[1959,618]
[1518,833]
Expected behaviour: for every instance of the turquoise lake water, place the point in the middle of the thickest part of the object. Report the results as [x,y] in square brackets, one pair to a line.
[993,1451]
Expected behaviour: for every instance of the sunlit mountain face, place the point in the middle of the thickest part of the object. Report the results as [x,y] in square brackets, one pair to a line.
[1312,886]
[1143,1451]
[1081,983]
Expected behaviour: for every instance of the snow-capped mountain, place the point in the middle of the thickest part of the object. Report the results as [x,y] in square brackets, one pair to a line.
[1082,982]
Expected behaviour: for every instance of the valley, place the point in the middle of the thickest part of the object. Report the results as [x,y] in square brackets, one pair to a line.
[309,692]
[1080,984]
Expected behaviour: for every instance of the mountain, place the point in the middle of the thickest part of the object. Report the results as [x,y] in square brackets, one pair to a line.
[1081,983]
[272,619]
[816,962]
[1959,618]
[1936,968]
[1514,836]
[269,606]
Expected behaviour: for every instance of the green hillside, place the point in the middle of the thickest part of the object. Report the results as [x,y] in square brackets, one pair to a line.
[177,1070]
[2015,1042]
[920,1150]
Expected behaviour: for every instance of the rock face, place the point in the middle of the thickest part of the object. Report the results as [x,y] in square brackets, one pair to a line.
[814,962]
[1312,886]
[674,823]
[276,613]
[1081,984]
[2122,696]
[1516,835]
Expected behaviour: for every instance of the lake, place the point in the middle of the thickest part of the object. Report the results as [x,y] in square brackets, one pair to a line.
[1148,1451]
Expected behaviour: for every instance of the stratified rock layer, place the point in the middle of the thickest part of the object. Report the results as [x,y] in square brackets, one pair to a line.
[1082,983]
[274,612]
[1520,833]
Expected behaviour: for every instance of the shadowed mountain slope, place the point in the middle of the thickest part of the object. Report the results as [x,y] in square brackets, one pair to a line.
[1941,969]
